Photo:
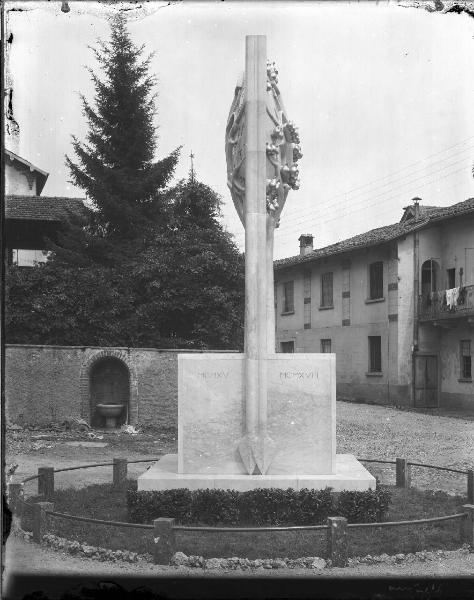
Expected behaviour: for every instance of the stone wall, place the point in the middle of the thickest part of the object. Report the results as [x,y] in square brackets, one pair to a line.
[45,384]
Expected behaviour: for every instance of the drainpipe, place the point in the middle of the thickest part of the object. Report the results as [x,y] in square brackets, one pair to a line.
[388,363]
[416,292]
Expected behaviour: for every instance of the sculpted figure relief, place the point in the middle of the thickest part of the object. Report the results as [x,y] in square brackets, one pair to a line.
[282,148]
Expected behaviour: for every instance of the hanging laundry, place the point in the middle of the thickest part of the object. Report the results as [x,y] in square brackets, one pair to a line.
[456,295]
[452,297]
[449,298]
[462,296]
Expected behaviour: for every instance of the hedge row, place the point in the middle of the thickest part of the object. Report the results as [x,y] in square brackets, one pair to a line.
[266,506]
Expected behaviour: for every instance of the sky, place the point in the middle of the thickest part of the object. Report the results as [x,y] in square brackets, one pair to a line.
[382,95]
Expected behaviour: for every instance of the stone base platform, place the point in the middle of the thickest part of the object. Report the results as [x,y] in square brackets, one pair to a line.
[163,475]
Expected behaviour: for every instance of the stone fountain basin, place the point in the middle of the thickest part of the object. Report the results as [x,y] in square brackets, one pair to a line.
[110,410]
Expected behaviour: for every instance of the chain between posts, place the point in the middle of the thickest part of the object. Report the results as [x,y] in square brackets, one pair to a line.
[165,528]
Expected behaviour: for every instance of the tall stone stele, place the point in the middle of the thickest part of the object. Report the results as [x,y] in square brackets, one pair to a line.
[258,419]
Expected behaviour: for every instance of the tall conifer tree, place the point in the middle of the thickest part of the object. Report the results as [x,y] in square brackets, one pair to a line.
[116,165]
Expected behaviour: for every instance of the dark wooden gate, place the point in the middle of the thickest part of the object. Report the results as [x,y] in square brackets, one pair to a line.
[426,381]
[109,384]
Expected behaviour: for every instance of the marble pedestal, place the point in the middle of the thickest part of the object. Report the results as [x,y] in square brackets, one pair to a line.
[301,409]
[349,475]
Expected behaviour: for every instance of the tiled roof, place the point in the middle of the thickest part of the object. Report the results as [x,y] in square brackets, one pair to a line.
[425,210]
[41,208]
[436,213]
[428,215]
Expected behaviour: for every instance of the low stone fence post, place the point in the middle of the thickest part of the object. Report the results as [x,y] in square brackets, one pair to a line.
[15,498]
[120,472]
[470,486]
[46,482]
[40,519]
[403,473]
[467,525]
[164,541]
[337,541]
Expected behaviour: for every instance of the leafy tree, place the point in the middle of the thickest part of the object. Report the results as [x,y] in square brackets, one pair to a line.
[93,306]
[196,271]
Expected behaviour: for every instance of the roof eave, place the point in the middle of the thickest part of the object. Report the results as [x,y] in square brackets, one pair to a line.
[421,224]
[31,166]
[341,251]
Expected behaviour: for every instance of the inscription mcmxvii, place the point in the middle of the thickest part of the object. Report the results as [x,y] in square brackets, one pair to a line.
[299,375]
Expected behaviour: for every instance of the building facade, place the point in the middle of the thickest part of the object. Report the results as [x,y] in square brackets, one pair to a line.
[395,304]
[31,219]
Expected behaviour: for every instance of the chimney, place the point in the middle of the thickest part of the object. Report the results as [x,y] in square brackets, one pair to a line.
[306,243]
[416,205]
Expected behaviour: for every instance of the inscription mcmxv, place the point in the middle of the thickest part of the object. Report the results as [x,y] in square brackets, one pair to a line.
[214,375]
[298,375]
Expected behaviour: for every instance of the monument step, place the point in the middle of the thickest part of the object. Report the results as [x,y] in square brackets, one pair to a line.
[350,474]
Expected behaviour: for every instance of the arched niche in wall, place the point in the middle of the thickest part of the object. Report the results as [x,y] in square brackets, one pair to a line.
[109,384]
[108,377]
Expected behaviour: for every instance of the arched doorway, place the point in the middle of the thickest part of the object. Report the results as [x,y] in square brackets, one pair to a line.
[109,384]
[429,277]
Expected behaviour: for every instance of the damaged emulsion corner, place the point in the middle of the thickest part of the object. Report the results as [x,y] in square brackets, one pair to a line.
[12,128]
[440,6]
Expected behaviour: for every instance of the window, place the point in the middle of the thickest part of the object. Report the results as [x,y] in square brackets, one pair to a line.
[287,347]
[326,290]
[429,276]
[29,258]
[288,297]
[307,300]
[376,280]
[451,273]
[375,354]
[325,346]
[466,359]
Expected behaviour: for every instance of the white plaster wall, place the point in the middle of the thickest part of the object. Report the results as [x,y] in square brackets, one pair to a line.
[447,244]
[450,360]
[430,248]
[290,321]
[16,181]
[363,312]
[456,236]
[429,338]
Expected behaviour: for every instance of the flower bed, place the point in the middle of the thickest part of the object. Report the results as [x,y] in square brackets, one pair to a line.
[105,502]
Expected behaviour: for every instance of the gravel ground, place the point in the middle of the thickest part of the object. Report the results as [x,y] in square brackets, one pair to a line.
[29,558]
[42,448]
[371,431]
[367,431]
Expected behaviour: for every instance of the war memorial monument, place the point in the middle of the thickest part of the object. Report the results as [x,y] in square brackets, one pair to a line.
[258,419]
